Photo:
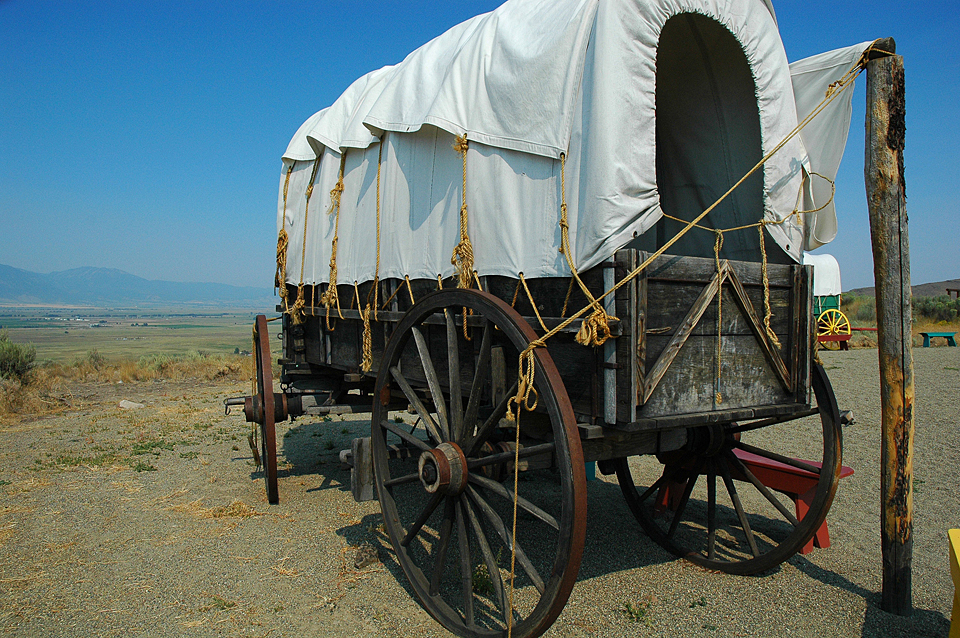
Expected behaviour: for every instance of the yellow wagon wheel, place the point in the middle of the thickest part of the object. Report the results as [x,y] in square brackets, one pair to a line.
[832,322]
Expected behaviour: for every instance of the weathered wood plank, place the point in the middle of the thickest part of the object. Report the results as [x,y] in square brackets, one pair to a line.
[680,336]
[886,198]
[753,322]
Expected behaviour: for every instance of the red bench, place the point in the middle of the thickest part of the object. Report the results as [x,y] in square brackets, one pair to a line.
[800,485]
[842,339]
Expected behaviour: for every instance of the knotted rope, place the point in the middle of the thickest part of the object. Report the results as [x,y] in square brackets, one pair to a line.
[296,310]
[366,357]
[595,329]
[463,252]
[283,241]
[329,298]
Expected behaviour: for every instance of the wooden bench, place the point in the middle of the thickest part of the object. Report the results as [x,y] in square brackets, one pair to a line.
[800,485]
[946,335]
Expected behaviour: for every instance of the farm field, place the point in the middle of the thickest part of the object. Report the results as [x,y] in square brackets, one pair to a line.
[63,336]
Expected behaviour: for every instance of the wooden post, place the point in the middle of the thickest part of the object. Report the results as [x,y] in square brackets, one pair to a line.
[886,198]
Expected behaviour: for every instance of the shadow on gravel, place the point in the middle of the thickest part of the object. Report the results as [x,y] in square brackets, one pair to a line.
[313,448]
[877,622]
[615,541]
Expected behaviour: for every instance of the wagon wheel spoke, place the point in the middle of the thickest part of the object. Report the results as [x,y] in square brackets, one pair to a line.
[433,381]
[453,368]
[479,378]
[741,515]
[442,496]
[763,489]
[505,536]
[417,404]
[422,519]
[670,473]
[405,436]
[466,571]
[682,505]
[522,503]
[786,460]
[506,457]
[402,480]
[485,430]
[763,423]
[711,512]
[488,559]
[440,557]
[742,534]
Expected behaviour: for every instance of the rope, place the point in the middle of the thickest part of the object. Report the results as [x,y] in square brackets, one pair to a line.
[476,278]
[410,289]
[513,534]
[533,303]
[566,299]
[390,298]
[283,241]
[463,252]
[767,311]
[525,363]
[717,245]
[595,329]
[296,311]
[376,274]
[525,380]
[366,357]
[330,298]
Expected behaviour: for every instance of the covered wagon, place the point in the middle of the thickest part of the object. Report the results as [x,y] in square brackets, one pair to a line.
[564,232]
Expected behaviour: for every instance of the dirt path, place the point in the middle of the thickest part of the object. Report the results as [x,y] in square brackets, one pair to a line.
[188,546]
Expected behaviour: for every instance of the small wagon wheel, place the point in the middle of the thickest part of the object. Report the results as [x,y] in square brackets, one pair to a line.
[264,410]
[752,528]
[446,483]
[832,322]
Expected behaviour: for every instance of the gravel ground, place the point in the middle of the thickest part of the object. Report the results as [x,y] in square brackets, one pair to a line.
[188,546]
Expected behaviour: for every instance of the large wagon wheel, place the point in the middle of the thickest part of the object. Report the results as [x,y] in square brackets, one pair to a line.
[753,528]
[446,484]
[263,407]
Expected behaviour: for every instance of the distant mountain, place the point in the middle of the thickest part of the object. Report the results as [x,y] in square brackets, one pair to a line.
[102,287]
[934,289]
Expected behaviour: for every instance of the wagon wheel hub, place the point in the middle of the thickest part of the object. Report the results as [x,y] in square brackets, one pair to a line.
[443,469]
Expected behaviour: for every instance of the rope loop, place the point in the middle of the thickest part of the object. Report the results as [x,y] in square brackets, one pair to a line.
[525,383]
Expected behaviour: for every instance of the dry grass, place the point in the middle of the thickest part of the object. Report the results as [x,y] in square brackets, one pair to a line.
[47,388]
[236,509]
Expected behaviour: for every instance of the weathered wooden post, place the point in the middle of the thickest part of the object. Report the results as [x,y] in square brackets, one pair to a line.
[886,198]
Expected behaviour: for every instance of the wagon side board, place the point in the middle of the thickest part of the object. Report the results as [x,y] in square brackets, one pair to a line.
[658,372]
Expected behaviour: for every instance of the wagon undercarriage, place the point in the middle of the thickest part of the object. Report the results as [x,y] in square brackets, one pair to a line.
[674,411]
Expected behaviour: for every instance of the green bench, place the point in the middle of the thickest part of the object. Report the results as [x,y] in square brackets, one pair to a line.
[946,335]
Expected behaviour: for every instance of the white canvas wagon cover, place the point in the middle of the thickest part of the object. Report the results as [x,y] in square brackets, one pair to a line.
[535,80]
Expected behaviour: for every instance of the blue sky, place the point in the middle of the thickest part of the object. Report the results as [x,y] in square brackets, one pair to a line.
[147,136]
